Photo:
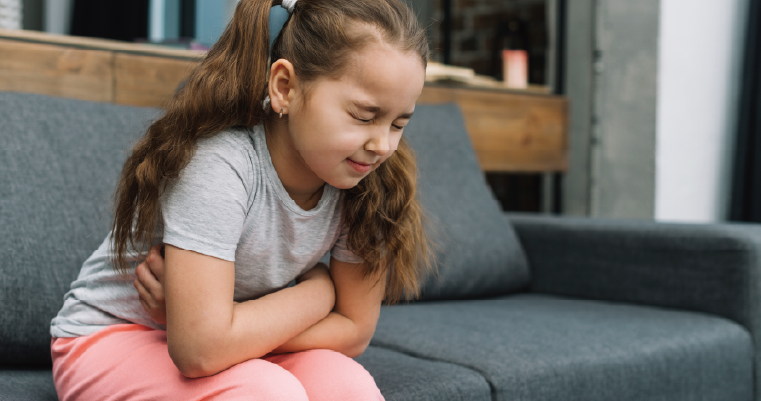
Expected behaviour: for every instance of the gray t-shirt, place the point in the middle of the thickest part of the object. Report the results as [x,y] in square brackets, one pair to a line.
[228,202]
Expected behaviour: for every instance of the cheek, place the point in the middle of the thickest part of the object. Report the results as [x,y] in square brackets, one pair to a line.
[324,134]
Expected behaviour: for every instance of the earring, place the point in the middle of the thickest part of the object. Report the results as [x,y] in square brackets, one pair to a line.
[281,112]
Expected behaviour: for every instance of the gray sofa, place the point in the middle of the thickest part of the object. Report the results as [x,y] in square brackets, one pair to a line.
[523,308]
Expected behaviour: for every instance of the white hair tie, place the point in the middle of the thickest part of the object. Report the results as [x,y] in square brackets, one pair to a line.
[289,5]
[266,103]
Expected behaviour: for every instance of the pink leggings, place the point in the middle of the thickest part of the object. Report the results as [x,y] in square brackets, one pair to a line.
[131,362]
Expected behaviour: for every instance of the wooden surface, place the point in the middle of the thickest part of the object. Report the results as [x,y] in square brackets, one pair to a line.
[511,131]
[147,80]
[56,71]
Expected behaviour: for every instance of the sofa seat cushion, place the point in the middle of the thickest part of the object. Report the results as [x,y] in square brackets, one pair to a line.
[27,385]
[402,377]
[540,347]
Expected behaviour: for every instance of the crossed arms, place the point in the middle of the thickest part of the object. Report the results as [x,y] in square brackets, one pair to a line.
[207,332]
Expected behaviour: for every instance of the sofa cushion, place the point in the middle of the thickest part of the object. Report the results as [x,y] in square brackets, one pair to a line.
[540,347]
[402,377]
[480,254]
[59,161]
[27,385]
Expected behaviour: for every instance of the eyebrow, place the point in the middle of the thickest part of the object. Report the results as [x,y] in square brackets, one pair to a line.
[375,109]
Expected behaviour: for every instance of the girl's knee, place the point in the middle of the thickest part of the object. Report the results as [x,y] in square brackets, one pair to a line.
[331,375]
[258,379]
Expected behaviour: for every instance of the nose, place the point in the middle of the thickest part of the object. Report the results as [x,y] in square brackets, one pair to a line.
[380,142]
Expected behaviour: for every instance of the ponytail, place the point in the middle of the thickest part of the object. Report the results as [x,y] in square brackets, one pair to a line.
[225,90]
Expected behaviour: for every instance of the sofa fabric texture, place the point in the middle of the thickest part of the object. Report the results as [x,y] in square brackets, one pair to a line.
[710,268]
[541,348]
[479,253]
[402,377]
[27,385]
[59,162]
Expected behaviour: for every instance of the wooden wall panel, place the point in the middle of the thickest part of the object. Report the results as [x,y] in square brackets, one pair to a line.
[510,131]
[147,80]
[56,71]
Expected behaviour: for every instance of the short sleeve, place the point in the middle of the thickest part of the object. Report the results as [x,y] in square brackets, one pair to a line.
[205,208]
[340,250]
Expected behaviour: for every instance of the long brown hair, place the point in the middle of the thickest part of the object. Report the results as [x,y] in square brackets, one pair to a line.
[386,221]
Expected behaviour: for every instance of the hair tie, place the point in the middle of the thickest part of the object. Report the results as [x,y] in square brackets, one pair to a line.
[289,5]
[266,103]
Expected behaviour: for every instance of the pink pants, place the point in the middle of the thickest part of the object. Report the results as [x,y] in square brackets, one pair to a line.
[131,362]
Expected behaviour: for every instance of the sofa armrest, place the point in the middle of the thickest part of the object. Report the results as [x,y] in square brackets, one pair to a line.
[711,268]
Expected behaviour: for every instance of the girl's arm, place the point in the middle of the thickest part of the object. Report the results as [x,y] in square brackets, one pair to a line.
[207,332]
[351,325]
[348,329]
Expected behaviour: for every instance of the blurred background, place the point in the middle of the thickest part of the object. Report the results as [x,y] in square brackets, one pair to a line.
[663,94]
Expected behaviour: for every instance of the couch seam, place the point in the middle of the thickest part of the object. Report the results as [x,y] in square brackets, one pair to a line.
[492,387]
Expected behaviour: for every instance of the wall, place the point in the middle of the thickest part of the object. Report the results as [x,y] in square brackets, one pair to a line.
[700,60]
[622,148]
[579,87]
[611,74]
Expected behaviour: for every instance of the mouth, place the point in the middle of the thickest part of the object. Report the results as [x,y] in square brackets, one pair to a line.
[359,167]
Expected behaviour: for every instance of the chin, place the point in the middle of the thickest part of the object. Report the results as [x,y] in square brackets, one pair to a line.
[346,184]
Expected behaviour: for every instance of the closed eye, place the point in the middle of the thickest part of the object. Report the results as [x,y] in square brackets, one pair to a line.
[354,116]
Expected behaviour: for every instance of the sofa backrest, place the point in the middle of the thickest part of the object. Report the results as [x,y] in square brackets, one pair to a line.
[480,254]
[59,162]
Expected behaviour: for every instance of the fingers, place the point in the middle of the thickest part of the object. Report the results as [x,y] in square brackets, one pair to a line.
[145,305]
[155,262]
[154,291]
[144,295]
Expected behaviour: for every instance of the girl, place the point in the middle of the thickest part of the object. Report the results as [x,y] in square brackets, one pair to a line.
[253,173]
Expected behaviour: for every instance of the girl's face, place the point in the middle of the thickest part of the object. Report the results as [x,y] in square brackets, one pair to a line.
[348,126]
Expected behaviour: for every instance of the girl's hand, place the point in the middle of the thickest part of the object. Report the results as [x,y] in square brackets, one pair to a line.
[150,275]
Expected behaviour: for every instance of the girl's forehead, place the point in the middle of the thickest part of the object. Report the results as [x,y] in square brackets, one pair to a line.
[382,70]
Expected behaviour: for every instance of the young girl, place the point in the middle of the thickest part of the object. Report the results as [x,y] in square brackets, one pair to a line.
[254,172]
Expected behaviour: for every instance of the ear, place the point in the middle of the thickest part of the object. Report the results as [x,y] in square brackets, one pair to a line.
[282,85]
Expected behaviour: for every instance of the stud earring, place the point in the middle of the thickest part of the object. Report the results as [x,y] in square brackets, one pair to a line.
[281,112]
